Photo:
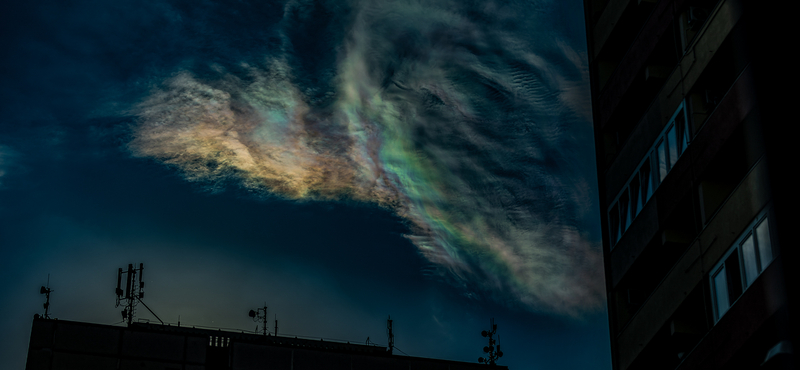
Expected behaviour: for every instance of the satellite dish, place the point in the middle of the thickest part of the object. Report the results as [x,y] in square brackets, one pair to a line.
[499,353]
[484,333]
[480,359]
[42,290]
[486,349]
[252,313]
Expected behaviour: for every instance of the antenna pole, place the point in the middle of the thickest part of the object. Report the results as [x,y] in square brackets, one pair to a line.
[133,293]
[47,304]
[47,299]
[390,334]
[46,291]
[494,353]
[276,325]
[260,314]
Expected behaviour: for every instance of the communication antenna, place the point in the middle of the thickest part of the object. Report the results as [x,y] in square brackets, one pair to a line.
[276,325]
[46,291]
[260,314]
[494,353]
[390,334]
[133,293]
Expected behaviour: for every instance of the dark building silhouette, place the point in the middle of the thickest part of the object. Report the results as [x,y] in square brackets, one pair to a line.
[694,190]
[61,344]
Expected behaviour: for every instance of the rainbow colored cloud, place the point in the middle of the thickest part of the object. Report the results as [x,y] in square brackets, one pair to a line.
[465,145]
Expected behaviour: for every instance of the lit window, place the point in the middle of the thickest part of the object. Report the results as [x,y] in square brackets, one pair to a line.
[741,265]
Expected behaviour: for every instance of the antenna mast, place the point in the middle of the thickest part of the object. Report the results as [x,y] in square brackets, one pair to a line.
[261,314]
[493,353]
[390,334]
[46,291]
[133,293]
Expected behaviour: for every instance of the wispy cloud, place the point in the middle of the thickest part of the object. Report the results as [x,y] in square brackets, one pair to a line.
[442,111]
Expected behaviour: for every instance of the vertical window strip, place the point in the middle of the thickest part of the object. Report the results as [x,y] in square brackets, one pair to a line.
[733,269]
[720,290]
[764,244]
[672,141]
[643,183]
[662,161]
[636,203]
[741,265]
[749,257]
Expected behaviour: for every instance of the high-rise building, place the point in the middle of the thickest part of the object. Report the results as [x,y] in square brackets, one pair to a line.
[692,192]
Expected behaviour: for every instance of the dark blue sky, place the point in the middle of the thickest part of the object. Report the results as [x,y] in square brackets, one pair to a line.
[472,198]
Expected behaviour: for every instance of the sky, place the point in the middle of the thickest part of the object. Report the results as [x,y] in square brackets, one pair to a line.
[338,161]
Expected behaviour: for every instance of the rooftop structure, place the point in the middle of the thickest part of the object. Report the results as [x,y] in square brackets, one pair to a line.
[61,344]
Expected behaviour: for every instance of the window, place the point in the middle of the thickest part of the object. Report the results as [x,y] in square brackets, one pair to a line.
[741,265]
[651,172]
[214,341]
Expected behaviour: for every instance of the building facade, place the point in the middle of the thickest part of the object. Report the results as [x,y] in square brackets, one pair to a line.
[68,345]
[697,274]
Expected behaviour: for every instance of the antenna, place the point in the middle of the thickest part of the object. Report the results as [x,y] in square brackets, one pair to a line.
[133,293]
[130,276]
[46,291]
[141,283]
[390,334]
[276,325]
[119,282]
[494,353]
[260,314]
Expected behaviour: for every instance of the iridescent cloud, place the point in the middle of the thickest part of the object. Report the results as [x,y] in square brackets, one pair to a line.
[453,122]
